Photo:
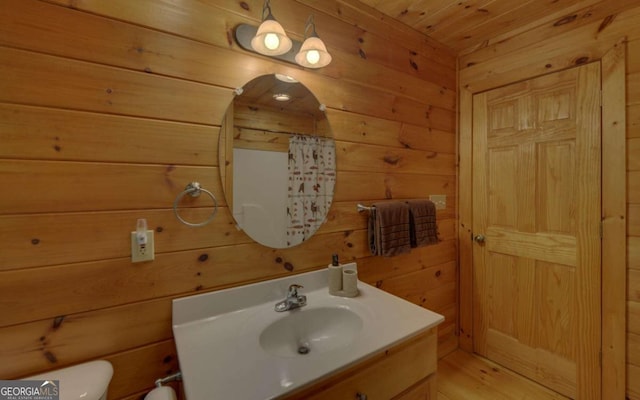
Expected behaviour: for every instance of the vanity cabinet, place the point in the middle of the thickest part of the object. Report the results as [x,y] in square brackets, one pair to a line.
[402,372]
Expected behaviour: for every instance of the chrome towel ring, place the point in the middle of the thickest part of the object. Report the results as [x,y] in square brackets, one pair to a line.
[193,189]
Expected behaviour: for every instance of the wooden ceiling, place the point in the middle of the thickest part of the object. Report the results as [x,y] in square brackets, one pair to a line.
[468,24]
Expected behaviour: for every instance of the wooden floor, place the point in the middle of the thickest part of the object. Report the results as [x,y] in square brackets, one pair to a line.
[464,376]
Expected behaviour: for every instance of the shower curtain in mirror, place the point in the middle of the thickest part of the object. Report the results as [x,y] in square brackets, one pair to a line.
[312,176]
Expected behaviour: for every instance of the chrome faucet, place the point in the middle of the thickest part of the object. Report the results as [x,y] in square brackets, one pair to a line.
[293,300]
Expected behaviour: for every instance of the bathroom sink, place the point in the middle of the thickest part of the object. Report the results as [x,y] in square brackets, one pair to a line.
[311,331]
[232,344]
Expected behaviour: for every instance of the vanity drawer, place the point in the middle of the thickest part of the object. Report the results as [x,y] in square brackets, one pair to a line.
[384,376]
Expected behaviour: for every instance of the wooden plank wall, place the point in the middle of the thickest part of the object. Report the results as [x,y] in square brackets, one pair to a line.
[555,45]
[109,108]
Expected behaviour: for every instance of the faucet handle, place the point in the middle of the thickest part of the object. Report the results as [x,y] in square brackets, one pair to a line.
[293,289]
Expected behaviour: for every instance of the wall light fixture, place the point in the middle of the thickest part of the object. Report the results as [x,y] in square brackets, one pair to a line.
[270,39]
[313,53]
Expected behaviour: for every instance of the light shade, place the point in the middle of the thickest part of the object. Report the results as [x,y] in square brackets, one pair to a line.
[313,53]
[271,40]
[286,78]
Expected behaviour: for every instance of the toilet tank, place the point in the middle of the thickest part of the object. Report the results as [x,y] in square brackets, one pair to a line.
[88,381]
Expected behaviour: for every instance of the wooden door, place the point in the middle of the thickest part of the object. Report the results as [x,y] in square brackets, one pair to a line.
[536,201]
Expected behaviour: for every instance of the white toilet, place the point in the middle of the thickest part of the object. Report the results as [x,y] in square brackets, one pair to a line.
[88,381]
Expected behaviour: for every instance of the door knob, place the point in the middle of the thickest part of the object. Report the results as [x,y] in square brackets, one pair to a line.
[479,238]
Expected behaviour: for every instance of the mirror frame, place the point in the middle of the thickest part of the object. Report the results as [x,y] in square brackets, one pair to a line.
[240,129]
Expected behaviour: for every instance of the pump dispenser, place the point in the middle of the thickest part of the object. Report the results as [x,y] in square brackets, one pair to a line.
[335,276]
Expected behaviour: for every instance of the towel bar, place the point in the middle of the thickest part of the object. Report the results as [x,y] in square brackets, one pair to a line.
[362,208]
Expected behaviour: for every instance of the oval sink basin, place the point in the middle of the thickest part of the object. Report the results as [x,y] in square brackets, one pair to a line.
[311,331]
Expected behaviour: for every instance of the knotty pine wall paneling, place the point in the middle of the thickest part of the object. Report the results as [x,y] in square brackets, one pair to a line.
[109,108]
[633,211]
[553,46]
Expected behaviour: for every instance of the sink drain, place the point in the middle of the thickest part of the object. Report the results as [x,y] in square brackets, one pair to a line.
[303,349]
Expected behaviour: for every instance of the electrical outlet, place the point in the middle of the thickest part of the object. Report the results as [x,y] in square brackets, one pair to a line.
[440,200]
[142,252]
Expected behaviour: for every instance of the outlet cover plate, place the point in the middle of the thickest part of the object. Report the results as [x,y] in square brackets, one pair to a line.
[142,253]
[440,200]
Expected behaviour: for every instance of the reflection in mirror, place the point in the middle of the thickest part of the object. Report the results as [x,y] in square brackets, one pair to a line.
[277,161]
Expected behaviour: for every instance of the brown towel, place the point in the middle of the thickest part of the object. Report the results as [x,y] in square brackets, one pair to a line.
[423,230]
[389,229]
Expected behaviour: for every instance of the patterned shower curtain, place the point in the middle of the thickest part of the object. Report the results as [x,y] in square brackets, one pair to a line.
[312,176]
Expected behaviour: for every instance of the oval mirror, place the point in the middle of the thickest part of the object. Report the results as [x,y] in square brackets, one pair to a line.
[277,161]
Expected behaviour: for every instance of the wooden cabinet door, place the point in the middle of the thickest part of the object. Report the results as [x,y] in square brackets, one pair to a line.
[426,389]
[384,376]
[536,221]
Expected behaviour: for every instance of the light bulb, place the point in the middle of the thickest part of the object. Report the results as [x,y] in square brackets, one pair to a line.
[271,41]
[313,56]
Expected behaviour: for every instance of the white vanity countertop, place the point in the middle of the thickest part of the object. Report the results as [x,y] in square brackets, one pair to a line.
[217,337]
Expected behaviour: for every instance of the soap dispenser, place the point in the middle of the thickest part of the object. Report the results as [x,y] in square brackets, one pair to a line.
[335,276]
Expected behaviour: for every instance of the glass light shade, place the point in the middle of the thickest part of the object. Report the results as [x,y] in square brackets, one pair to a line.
[286,78]
[271,40]
[313,53]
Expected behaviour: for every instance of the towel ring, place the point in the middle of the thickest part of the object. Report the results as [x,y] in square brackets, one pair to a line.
[194,190]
